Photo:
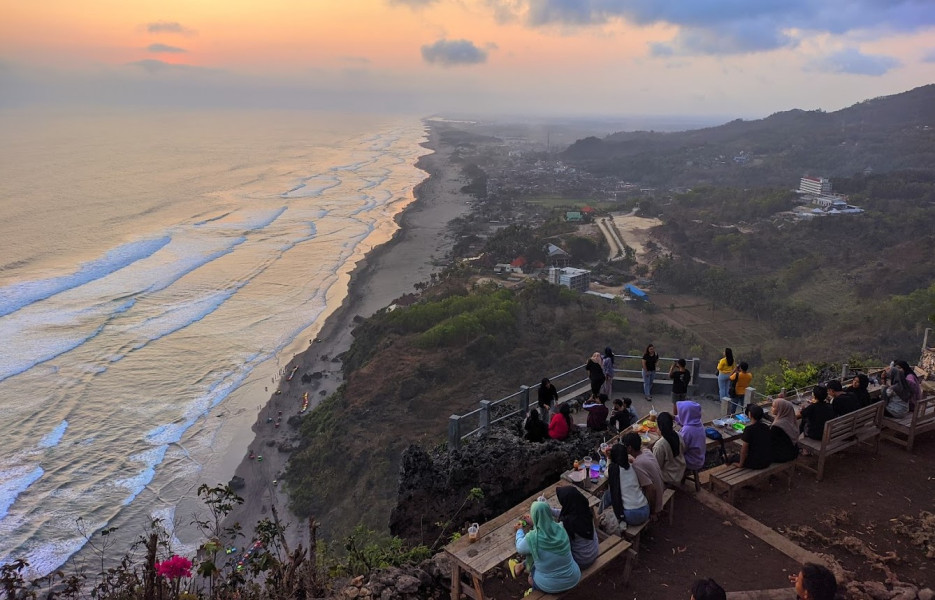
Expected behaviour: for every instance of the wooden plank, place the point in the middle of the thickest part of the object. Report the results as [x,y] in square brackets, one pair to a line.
[786,593]
[751,525]
[608,554]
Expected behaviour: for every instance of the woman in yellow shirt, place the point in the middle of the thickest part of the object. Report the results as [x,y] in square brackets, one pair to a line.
[725,367]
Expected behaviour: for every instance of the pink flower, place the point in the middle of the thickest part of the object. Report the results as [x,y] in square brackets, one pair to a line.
[175,567]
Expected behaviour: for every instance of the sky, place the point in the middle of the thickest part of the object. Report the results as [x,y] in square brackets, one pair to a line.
[732,58]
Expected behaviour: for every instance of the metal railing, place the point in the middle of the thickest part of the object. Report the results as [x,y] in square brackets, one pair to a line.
[517,403]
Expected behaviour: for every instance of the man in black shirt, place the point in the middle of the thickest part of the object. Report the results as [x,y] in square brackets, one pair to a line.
[816,414]
[680,377]
[756,452]
[842,402]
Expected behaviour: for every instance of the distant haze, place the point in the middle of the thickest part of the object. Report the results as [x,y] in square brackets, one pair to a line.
[529,57]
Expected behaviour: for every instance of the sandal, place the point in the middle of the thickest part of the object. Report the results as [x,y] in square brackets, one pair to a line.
[512,564]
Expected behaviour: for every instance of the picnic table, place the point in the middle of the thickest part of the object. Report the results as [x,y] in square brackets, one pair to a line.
[496,543]
[596,485]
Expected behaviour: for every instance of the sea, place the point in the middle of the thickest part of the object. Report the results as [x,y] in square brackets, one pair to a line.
[158,269]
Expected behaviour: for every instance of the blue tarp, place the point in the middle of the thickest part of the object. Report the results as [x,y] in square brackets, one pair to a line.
[635,292]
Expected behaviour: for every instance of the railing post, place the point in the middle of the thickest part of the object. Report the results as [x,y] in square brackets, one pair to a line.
[524,400]
[454,433]
[843,371]
[696,371]
[748,395]
[484,415]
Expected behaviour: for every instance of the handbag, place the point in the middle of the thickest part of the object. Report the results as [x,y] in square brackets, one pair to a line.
[732,390]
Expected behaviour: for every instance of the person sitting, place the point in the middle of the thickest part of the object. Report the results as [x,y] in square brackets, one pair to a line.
[707,589]
[859,388]
[814,582]
[783,432]
[575,516]
[816,414]
[898,394]
[912,381]
[647,471]
[536,430]
[624,493]
[628,403]
[668,451]
[620,417]
[689,417]
[597,413]
[548,550]
[561,423]
[756,444]
[841,401]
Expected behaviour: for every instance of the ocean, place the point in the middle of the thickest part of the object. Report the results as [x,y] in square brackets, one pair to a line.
[158,270]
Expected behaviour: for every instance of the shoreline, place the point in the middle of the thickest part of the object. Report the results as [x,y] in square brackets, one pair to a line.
[385,273]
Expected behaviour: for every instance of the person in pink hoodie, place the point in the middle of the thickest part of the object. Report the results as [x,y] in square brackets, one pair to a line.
[689,417]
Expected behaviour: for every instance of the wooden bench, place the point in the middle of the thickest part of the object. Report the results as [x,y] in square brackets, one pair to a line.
[734,478]
[919,420]
[610,548]
[863,426]
[632,532]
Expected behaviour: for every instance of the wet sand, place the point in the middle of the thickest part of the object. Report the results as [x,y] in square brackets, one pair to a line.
[386,273]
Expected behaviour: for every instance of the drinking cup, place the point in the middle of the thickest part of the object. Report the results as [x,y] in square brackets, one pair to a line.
[472,532]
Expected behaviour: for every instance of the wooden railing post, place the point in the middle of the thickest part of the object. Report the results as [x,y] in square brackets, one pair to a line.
[524,400]
[454,432]
[484,415]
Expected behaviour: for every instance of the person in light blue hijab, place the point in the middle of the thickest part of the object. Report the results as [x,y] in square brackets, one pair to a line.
[548,550]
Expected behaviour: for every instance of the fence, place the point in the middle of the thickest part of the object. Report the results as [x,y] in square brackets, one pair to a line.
[627,368]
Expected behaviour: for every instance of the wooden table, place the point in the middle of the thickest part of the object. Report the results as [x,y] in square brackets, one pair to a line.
[596,486]
[496,542]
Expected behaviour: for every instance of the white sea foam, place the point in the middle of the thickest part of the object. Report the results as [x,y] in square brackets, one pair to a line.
[54,437]
[14,482]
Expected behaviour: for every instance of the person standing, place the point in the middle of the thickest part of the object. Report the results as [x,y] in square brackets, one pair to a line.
[742,378]
[595,369]
[680,377]
[650,358]
[548,396]
[725,367]
[608,365]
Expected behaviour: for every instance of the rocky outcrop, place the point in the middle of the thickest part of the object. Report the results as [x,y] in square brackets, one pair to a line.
[429,580]
[434,494]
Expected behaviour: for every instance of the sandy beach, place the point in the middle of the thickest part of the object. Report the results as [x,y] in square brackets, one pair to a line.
[387,272]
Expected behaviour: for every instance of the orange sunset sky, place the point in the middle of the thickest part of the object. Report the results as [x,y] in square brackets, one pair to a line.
[575,57]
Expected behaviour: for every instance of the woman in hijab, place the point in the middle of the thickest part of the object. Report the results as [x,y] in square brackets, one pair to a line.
[595,371]
[608,366]
[668,451]
[623,489]
[783,432]
[859,389]
[536,429]
[548,550]
[575,516]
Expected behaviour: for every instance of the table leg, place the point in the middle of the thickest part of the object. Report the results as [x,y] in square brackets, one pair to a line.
[455,581]
[478,587]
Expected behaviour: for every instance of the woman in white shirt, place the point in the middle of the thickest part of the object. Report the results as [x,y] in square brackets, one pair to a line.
[624,492]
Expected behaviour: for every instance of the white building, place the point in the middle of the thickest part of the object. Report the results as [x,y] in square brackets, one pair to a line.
[578,280]
[816,186]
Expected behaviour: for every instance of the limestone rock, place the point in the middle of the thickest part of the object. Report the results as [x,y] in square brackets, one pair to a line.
[926,594]
[407,584]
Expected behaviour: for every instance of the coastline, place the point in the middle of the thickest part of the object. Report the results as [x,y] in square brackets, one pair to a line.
[384,274]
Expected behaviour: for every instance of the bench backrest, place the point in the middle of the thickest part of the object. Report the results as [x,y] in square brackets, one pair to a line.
[924,412]
[846,425]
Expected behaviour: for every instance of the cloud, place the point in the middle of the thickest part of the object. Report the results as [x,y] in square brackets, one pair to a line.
[412,3]
[729,26]
[355,60]
[154,66]
[163,48]
[929,56]
[449,53]
[168,27]
[854,62]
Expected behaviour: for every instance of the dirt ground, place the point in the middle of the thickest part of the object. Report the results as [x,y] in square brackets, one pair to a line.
[871,514]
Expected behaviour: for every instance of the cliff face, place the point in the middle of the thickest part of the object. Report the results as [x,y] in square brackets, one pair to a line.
[433,498]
